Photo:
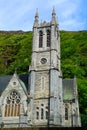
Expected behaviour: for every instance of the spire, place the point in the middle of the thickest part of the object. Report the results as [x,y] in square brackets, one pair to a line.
[36,18]
[53,16]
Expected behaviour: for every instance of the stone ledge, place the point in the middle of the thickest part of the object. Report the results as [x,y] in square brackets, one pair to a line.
[46,128]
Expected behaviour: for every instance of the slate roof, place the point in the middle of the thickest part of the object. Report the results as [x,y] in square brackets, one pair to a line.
[24,78]
[4,80]
[68,89]
[68,85]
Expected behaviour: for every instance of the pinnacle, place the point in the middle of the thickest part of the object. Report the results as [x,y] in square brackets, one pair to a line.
[53,12]
[36,15]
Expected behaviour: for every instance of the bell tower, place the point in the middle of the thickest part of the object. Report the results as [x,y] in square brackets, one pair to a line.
[45,74]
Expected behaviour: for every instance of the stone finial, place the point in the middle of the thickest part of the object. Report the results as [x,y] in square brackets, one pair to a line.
[15,74]
[36,18]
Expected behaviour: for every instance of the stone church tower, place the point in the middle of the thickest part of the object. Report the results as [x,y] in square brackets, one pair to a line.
[41,98]
[45,74]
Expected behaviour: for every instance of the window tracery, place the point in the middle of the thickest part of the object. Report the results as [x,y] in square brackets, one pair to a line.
[12,107]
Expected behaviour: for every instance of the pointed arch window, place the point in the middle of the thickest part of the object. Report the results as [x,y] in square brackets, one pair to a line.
[66,113]
[46,114]
[37,115]
[12,106]
[48,38]
[40,39]
[42,113]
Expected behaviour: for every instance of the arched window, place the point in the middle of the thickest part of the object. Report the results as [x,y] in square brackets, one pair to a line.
[37,115]
[66,113]
[12,107]
[42,113]
[46,114]
[40,39]
[48,38]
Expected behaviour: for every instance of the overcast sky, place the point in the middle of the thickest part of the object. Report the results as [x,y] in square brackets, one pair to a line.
[19,14]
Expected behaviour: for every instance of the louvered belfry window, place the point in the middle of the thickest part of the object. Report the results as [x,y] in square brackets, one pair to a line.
[12,106]
[40,39]
[48,38]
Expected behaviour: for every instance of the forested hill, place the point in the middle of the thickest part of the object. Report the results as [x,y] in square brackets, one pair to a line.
[16,48]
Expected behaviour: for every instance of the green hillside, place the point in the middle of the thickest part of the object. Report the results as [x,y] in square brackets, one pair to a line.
[15,52]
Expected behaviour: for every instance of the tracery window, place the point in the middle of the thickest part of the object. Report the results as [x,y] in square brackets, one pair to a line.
[40,39]
[12,107]
[48,38]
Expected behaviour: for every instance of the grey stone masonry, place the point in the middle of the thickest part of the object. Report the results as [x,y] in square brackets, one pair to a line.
[46,85]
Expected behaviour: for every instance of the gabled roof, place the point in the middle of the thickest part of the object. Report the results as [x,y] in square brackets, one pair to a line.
[68,89]
[68,85]
[4,81]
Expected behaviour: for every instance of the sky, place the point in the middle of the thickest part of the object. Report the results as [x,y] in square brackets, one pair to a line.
[19,14]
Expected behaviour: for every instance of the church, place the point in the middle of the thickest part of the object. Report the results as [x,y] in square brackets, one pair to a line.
[41,98]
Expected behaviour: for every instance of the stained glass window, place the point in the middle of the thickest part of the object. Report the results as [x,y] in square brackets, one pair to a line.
[12,107]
